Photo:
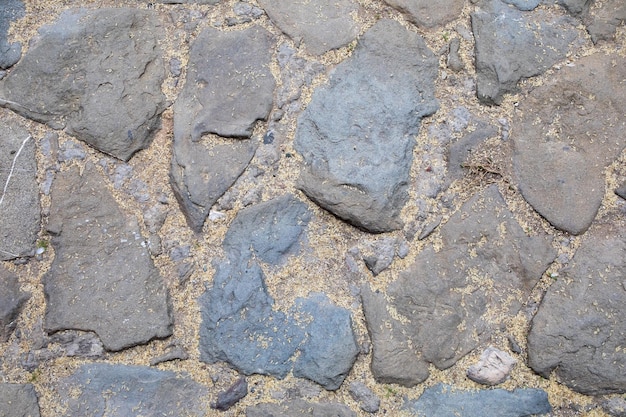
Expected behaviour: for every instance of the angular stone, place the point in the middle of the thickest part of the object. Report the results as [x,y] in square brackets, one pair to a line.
[356,135]
[565,138]
[443,401]
[96,72]
[232,395]
[575,7]
[603,22]
[579,328]
[10,53]
[493,368]
[368,401]
[511,45]
[299,408]
[18,400]
[429,14]
[12,300]
[524,5]
[322,25]
[122,390]
[487,268]
[20,213]
[102,278]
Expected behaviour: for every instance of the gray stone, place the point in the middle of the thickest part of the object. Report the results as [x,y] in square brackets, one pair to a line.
[229,87]
[10,53]
[460,151]
[493,367]
[122,390]
[18,400]
[174,353]
[511,45]
[429,14]
[368,401]
[71,151]
[226,399]
[96,72]
[524,5]
[12,300]
[455,63]
[330,349]
[565,138]
[443,401]
[621,191]
[383,251]
[83,344]
[322,25]
[299,408]
[188,1]
[615,407]
[575,7]
[270,230]
[102,278]
[603,22]
[579,329]
[356,135]
[447,298]
[20,214]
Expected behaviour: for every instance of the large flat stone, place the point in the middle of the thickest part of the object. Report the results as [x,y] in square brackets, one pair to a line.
[96,72]
[11,301]
[357,134]
[579,329]
[512,44]
[18,400]
[102,278]
[429,14]
[20,213]
[322,25]
[451,300]
[10,53]
[565,137]
[299,408]
[99,390]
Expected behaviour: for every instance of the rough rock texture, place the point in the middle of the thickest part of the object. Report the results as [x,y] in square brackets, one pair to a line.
[511,45]
[565,138]
[102,278]
[493,368]
[356,135]
[121,390]
[451,299]
[299,408]
[229,87]
[368,401]
[105,88]
[579,329]
[442,401]
[232,395]
[11,301]
[18,400]
[20,215]
[429,14]
[575,7]
[322,25]
[603,22]
[9,52]
[239,324]
[525,5]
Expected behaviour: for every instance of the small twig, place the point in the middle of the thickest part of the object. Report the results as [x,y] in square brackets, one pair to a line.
[6,184]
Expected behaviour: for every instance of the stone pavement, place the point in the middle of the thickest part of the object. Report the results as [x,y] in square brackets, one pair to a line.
[320,208]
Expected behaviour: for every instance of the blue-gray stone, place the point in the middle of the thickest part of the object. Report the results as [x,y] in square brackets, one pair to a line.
[119,390]
[18,400]
[442,401]
[525,5]
[10,53]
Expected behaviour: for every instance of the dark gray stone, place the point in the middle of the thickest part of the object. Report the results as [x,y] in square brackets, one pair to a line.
[575,7]
[188,1]
[98,73]
[102,278]
[565,138]
[330,349]
[299,408]
[174,353]
[20,213]
[524,5]
[447,297]
[511,45]
[10,53]
[383,251]
[579,328]
[443,401]
[621,191]
[603,22]
[12,300]
[460,151]
[322,25]
[82,344]
[455,63]
[270,230]
[18,400]
[130,391]
[615,407]
[232,395]
[429,14]
[368,401]
[356,135]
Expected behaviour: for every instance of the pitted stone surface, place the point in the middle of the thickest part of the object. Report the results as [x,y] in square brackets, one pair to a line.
[356,135]
[300,408]
[18,400]
[9,52]
[448,297]
[20,214]
[579,329]
[565,138]
[429,14]
[105,89]
[511,45]
[102,278]
[12,300]
[120,390]
[322,25]
[603,21]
